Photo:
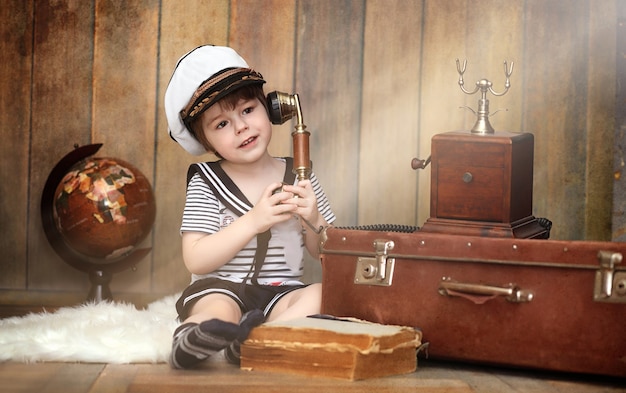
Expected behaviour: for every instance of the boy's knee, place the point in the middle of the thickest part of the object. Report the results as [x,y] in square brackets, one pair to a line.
[315,289]
[311,298]
[215,306]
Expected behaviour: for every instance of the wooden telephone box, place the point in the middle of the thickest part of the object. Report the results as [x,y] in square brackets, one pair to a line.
[482,185]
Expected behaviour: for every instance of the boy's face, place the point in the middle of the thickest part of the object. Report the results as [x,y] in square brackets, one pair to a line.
[239,135]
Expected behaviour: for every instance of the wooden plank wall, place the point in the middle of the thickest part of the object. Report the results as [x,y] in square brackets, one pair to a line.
[377,79]
[619,163]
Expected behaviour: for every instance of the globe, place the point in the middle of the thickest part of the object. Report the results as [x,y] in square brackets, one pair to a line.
[103,208]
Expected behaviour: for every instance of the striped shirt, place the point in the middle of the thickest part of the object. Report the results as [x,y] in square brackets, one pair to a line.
[205,213]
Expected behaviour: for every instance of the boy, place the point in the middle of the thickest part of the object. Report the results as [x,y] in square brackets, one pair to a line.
[243,235]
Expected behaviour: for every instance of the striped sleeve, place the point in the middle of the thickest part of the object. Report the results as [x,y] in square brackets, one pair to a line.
[322,201]
[201,212]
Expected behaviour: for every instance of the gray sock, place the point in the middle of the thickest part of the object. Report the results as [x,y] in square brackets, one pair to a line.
[194,342]
[248,321]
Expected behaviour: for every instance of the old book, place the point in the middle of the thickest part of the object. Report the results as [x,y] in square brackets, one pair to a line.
[337,348]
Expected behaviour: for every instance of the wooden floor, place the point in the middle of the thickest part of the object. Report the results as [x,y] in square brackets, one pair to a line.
[218,376]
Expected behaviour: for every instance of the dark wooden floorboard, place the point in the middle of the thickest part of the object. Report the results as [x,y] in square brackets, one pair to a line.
[218,376]
[48,377]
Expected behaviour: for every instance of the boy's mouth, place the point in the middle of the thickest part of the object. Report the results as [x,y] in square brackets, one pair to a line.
[248,141]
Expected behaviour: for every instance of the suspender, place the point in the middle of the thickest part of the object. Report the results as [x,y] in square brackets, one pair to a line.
[231,196]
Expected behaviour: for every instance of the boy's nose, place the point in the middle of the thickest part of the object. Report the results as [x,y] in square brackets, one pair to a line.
[240,126]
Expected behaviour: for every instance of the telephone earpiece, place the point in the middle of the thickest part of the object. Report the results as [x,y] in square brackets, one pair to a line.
[282,106]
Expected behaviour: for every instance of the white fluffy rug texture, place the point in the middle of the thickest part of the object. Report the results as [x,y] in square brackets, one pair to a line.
[105,332]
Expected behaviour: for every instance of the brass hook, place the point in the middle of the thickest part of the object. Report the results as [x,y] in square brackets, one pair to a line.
[482,125]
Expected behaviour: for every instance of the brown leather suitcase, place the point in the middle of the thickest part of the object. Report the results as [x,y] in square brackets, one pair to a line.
[545,304]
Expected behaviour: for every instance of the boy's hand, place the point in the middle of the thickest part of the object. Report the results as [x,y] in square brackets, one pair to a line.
[272,208]
[304,200]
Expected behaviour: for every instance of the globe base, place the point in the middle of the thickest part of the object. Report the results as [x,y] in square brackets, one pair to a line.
[100,290]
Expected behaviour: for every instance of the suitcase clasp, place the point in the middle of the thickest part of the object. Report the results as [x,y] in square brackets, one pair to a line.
[377,270]
[610,285]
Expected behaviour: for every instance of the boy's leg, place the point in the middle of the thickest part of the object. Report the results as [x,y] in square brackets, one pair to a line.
[249,320]
[205,332]
[297,304]
[195,342]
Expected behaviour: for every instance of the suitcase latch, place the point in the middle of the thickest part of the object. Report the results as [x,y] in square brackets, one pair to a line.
[610,285]
[377,270]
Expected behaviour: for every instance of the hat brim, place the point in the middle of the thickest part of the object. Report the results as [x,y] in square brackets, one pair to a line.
[217,87]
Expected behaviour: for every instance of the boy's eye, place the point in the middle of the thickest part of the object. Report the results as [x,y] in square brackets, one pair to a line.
[221,124]
[249,106]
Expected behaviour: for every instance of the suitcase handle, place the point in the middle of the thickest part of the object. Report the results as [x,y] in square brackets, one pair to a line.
[480,293]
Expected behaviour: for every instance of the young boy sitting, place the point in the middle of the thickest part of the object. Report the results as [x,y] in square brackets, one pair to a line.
[243,241]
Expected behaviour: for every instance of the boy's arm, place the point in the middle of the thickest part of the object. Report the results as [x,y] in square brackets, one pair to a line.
[204,253]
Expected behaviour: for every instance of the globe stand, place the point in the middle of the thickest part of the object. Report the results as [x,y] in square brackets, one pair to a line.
[100,280]
[100,272]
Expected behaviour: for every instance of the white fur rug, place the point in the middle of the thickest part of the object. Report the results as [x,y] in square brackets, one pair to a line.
[106,332]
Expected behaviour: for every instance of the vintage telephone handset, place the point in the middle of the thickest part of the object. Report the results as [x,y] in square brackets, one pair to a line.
[282,107]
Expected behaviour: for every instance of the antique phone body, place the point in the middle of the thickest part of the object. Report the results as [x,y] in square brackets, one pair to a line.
[282,107]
